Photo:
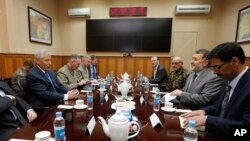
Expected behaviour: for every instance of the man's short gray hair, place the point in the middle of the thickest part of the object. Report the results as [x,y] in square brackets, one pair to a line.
[41,53]
[86,57]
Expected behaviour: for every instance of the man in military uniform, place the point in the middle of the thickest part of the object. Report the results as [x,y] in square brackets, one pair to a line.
[69,75]
[19,74]
[85,61]
[177,77]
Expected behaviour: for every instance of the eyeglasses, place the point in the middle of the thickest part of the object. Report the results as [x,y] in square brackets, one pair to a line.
[218,67]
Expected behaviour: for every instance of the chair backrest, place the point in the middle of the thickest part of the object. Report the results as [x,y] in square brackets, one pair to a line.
[22,85]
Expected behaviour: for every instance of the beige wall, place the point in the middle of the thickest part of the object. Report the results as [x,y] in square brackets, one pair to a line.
[17,32]
[228,22]
[69,33]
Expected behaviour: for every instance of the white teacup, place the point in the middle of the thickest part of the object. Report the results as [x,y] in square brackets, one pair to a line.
[42,136]
[169,105]
[79,102]
[154,89]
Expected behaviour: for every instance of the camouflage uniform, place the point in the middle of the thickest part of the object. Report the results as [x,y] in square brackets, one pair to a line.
[85,72]
[177,79]
[19,73]
[68,77]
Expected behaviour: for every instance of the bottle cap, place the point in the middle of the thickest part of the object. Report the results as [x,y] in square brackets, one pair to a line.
[191,123]
[58,114]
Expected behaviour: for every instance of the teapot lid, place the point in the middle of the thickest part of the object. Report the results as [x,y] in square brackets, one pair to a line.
[118,117]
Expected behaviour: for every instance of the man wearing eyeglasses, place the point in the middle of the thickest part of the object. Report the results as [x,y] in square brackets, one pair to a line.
[159,76]
[233,108]
[202,86]
[177,77]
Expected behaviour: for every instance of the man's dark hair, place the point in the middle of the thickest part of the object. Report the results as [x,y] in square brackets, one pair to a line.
[28,63]
[226,51]
[204,52]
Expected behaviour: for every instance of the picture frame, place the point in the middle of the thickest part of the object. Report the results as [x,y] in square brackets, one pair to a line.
[243,26]
[40,27]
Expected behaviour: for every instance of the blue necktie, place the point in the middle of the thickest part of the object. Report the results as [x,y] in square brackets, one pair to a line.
[48,77]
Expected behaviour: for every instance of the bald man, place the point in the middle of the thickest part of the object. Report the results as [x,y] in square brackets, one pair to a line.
[177,77]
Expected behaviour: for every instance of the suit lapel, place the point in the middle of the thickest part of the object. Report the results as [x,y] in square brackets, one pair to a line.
[201,77]
[238,90]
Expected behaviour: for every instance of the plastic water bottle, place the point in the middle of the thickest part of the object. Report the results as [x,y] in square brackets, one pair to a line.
[90,100]
[146,87]
[59,127]
[102,86]
[190,133]
[156,105]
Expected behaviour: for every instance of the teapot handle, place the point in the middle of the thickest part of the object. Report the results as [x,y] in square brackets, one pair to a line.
[138,129]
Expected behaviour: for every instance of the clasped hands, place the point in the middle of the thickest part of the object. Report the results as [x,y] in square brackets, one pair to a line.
[73,94]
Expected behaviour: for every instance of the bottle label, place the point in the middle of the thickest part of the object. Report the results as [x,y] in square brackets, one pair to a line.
[60,133]
[156,101]
[90,99]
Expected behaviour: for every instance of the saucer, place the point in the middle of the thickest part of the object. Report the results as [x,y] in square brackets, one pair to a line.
[102,90]
[129,98]
[166,109]
[51,139]
[153,91]
[123,104]
[80,107]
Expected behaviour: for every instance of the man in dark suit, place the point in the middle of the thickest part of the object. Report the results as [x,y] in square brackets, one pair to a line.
[202,87]
[160,75]
[43,85]
[92,68]
[11,109]
[227,60]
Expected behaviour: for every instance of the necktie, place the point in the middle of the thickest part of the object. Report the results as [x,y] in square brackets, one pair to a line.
[17,115]
[155,70]
[192,81]
[94,72]
[48,77]
[225,101]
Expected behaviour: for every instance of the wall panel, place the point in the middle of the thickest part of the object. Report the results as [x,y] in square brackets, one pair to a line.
[10,62]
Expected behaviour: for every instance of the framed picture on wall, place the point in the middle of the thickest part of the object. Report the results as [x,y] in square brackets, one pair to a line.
[40,27]
[243,26]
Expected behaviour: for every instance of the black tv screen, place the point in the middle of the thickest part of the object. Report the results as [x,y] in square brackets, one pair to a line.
[129,35]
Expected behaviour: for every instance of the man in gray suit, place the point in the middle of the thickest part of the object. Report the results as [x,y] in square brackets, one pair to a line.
[202,87]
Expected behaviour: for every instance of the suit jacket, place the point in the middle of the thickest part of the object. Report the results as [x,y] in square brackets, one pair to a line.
[89,70]
[8,124]
[237,111]
[41,90]
[203,91]
[161,76]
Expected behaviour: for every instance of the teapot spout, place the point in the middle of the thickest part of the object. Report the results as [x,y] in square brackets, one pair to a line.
[104,126]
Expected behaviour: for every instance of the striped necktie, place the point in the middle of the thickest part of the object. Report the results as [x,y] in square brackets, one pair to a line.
[225,101]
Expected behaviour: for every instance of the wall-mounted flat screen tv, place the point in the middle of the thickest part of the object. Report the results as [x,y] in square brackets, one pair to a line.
[129,35]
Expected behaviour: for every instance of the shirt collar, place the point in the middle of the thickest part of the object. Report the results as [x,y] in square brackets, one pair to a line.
[41,69]
[235,81]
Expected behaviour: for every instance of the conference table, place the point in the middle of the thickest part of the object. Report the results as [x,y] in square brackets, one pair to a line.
[76,130]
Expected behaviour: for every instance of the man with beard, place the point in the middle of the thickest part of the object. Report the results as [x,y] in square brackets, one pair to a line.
[202,86]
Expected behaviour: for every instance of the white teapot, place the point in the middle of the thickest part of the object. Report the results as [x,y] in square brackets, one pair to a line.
[124,87]
[125,77]
[118,127]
